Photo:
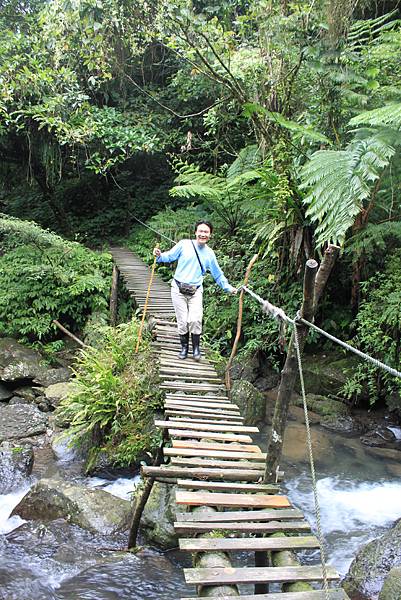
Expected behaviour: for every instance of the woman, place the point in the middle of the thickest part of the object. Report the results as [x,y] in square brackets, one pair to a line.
[194,258]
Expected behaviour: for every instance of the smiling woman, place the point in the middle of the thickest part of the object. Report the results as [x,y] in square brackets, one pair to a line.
[194,258]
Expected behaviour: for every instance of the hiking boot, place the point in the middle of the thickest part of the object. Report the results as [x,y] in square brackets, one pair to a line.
[195,346]
[184,345]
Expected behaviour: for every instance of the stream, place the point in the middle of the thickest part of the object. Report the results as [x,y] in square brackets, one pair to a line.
[359,494]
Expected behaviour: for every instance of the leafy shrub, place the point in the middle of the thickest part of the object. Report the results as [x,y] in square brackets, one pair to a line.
[114,397]
[378,332]
[44,277]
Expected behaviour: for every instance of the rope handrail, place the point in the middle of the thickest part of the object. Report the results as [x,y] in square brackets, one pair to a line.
[278,313]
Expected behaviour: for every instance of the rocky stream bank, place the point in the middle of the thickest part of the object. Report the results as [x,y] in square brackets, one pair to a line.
[58,505]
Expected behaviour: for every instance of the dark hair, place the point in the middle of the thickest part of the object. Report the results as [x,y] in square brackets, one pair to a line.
[207,223]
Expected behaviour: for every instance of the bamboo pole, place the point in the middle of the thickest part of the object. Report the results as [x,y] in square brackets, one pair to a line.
[113,296]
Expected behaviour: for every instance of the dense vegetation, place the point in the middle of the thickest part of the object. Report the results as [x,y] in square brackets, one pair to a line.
[280,121]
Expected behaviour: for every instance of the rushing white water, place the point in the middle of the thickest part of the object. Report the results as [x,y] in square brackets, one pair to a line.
[7,503]
[352,513]
[123,488]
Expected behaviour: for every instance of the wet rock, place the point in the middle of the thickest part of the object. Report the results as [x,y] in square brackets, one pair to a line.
[21,421]
[392,585]
[386,453]
[16,464]
[340,424]
[5,394]
[159,516]
[94,510]
[17,400]
[251,401]
[379,437]
[25,392]
[57,392]
[297,413]
[245,368]
[372,565]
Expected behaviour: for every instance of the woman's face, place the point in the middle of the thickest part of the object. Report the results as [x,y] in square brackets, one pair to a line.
[202,234]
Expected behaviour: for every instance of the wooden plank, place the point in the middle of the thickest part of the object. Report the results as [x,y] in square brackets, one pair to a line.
[212,435]
[221,464]
[252,544]
[216,406]
[216,446]
[195,417]
[230,487]
[215,428]
[229,500]
[235,516]
[200,398]
[204,419]
[310,595]
[213,453]
[200,410]
[171,472]
[183,527]
[189,377]
[230,575]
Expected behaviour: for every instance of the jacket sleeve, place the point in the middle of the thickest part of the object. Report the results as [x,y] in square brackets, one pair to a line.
[170,255]
[218,275]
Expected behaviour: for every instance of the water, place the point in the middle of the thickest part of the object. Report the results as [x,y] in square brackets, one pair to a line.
[359,496]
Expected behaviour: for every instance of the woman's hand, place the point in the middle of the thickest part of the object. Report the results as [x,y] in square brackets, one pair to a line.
[156,252]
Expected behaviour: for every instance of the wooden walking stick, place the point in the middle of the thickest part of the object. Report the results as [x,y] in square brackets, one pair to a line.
[239,324]
[145,308]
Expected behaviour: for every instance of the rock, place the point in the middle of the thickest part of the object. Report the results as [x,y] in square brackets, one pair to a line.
[392,585]
[373,563]
[322,405]
[49,377]
[16,464]
[18,363]
[21,421]
[5,394]
[18,400]
[268,382]
[93,510]
[297,413]
[382,436]
[159,516]
[56,392]
[251,402]
[25,392]
[326,374]
[245,368]
[386,453]
[341,424]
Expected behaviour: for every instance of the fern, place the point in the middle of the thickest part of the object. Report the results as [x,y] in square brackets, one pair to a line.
[373,238]
[386,116]
[248,159]
[339,182]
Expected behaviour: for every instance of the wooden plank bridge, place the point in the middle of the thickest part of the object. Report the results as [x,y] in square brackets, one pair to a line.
[217,468]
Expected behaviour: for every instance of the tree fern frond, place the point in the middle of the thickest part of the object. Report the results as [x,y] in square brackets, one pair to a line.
[374,237]
[339,181]
[248,159]
[389,115]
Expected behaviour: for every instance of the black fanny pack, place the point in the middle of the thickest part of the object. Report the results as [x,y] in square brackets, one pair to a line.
[186,289]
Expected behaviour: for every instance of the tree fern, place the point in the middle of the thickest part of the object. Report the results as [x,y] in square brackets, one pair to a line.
[385,116]
[374,237]
[339,182]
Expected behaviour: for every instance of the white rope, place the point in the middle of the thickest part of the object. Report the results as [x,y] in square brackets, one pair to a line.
[154,230]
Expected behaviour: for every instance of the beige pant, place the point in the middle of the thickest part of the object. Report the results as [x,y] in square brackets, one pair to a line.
[188,310]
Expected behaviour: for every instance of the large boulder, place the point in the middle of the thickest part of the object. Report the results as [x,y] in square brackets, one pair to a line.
[5,394]
[326,407]
[372,564]
[20,421]
[250,400]
[159,516]
[16,464]
[94,510]
[326,374]
[47,377]
[18,363]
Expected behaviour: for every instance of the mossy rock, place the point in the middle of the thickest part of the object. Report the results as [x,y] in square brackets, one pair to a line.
[250,400]
[392,585]
[159,515]
[326,374]
[323,406]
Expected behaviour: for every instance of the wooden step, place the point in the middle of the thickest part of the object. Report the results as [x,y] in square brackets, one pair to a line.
[215,406]
[269,544]
[210,435]
[230,500]
[213,428]
[310,595]
[213,453]
[204,419]
[213,474]
[221,486]
[199,412]
[235,516]
[200,397]
[251,528]
[221,464]
[227,576]
[215,446]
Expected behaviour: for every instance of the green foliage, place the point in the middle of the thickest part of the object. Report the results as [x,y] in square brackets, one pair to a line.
[114,396]
[44,277]
[378,332]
